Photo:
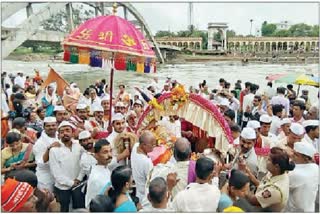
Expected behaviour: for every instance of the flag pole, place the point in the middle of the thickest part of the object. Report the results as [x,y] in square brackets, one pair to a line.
[111,90]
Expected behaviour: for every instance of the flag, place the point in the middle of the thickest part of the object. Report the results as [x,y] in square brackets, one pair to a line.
[53,76]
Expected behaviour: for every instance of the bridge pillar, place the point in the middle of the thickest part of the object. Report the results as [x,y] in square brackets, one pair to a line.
[70,16]
[29,10]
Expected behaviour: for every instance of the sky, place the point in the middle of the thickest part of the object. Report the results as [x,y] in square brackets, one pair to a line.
[174,16]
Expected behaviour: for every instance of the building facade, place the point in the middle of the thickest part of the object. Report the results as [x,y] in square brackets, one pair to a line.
[194,43]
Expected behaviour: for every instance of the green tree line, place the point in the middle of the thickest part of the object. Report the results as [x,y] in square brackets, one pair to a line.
[297,30]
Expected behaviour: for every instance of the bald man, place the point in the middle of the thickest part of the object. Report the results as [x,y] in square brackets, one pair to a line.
[140,162]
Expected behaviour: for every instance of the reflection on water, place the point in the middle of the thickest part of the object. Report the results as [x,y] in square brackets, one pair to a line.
[189,74]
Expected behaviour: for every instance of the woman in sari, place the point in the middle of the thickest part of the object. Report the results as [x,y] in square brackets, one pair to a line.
[50,99]
[16,155]
[70,100]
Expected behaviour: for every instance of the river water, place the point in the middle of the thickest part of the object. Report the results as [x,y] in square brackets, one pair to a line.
[188,74]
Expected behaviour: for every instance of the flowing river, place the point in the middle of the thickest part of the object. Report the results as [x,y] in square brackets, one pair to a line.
[188,74]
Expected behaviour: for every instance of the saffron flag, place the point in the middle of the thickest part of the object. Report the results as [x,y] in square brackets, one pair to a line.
[53,76]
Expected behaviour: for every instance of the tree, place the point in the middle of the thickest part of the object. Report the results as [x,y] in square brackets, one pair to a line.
[60,23]
[315,31]
[268,29]
[300,30]
[217,37]
[231,33]
[282,33]
[164,33]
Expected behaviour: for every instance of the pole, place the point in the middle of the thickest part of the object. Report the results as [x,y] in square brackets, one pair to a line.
[111,89]
[251,26]
[298,90]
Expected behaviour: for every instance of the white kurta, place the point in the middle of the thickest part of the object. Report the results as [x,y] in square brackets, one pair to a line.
[197,198]
[99,177]
[64,165]
[141,166]
[45,178]
[87,161]
[304,180]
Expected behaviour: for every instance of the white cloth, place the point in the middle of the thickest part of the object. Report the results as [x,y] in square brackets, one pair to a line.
[87,160]
[270,92]
[197,198]
[7,80]
[19,81]
[45,178]
[141,166]
[314,142]
[156,210]
[64,165]
[281,100]
[247,101]
[99,177]
[304,180]
[111,139]
[84,100]
[95,102]
[4,105]
[275,125]
[9,92]
[174,128]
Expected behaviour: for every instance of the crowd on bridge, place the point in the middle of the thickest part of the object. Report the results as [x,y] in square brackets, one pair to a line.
[66,152]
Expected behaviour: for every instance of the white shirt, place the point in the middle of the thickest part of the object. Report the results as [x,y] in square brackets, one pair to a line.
[87,160]
[19,81]
[247,101]
[9,92]
[99,177]
[174,128]
[45,178]
[64,164]
[111,139]
[281,100]
[197,198]
[7,80]
[141,166]
[4,105]
[303,188]
[275,125]
[156,210]
[314,142]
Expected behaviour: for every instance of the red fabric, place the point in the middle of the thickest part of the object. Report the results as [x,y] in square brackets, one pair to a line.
[242,94]
[14,195]
[316,158]
[101,135]
[120,64]
[66,56]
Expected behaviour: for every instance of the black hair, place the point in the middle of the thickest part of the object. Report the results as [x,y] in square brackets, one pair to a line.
[119,177]
[157,190]
[23,175]
[230,113]
[204,167]
[258,97]
[237,179]
[269,84]
[247,84]
[18,122]
[181,155]
[234,92]
[222,80]
[277,108]
[235,128]
[103,81]
[253,88]
[101,203]
[281,158]
[7,85]
[12,137]
[310,128]
[86,92]
[40,109]
[290,86]
[15,88]
[300,104]
[281,90]
[99,144]
[227,84]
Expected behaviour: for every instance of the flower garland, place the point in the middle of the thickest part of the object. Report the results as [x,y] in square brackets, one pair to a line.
[178,97]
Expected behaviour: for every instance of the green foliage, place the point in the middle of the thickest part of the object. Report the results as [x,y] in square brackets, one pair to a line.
[282,33]
[60,23]
[164,33]
[217,37]
[300,30]
[231,33]
[268,29]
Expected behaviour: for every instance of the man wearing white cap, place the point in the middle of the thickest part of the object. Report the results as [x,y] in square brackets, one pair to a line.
[118,124]
[97,124]
[94,99]
[312,133]
[120,107]
[64,165]
[105,103]
[223,105]
[284,127]
[247,140]
[304,179]
[87,159]
[296,134]
[80,119]
[60,113]
[138,107]
[265,141]
[41,148]
[166,88]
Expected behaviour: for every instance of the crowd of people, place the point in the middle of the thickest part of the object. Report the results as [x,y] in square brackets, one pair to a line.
[66,152]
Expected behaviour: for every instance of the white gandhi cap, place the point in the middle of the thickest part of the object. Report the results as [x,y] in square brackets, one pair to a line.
[265,118]
[297,129]
[310,123]
[59,108]
[81,106]
[50,120]
[84,135]
[117,116]
[253,124]
[96,108]
[305,148]
[248,133]
[66,123]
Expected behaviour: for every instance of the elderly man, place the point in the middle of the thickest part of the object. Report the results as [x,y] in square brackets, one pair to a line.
[296,134]
[64,165]
[120,108]
[97,124]
[200,196]
[131,121]
[105,103]
[313,113]
[140,162]
[80,119]
[94,99]
[41,148]
[304,179]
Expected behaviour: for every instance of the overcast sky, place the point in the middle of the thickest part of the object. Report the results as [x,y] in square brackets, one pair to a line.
[174,16]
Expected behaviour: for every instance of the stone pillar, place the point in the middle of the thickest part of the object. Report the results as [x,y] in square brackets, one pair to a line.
[225,39]
[29,10]
[125,13]
[210,38]
[70,17]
